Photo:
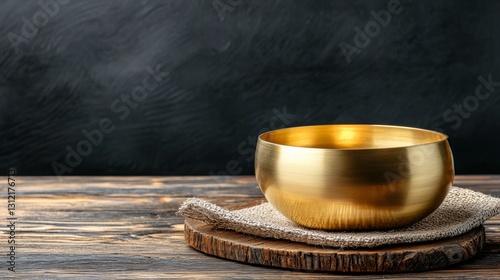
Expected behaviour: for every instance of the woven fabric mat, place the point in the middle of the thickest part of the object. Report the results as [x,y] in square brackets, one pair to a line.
[461,211]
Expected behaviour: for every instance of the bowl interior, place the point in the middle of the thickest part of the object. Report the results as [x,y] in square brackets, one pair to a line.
[352,136]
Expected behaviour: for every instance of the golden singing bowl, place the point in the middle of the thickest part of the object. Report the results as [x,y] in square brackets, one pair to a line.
[354,177]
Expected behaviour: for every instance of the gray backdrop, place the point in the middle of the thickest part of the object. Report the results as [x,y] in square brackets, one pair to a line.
[184,87]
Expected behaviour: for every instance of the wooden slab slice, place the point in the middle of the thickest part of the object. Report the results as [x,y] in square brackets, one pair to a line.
[299,256]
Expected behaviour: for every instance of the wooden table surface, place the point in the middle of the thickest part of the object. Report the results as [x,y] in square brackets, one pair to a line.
[126,228]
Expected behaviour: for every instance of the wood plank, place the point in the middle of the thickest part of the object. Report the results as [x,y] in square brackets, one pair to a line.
[126,227]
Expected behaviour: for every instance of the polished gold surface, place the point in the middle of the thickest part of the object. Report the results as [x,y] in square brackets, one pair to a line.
[354,177]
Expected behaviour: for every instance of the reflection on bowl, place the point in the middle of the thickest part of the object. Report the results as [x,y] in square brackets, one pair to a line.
[354,177]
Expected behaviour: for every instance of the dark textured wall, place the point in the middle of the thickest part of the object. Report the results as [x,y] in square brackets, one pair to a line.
[184,87]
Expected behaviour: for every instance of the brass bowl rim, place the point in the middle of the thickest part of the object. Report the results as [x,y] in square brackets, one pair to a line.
[445,137]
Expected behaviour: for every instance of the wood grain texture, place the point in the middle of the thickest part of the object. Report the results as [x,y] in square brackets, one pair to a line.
[126,228]
[285,254]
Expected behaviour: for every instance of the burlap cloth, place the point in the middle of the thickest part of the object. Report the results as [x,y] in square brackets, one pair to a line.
[461,211]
